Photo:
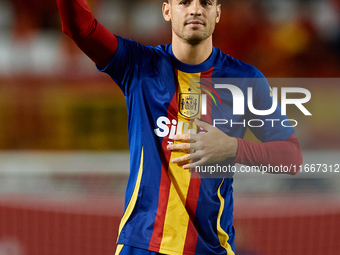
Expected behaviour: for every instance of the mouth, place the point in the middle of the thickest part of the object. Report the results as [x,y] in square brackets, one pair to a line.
[194,23]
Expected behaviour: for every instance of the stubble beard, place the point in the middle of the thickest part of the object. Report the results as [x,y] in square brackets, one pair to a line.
[194,38]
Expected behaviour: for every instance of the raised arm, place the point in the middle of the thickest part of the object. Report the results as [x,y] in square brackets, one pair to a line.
[97,42]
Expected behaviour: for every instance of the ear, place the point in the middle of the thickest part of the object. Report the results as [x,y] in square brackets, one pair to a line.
[218,10]
[166,11]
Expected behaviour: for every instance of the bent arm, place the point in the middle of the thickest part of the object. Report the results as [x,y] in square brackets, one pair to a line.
[275,153]
[97,42]
[214,146]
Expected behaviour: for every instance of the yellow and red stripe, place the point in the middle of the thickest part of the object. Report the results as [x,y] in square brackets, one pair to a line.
[165,183]
[174,228]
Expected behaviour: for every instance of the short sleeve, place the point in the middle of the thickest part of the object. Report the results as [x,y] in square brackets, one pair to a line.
[126,65]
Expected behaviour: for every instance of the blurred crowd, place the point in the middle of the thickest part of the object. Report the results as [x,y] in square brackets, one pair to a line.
[292,38]
[52,96]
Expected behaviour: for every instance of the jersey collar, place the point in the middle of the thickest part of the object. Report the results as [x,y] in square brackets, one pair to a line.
[193,68]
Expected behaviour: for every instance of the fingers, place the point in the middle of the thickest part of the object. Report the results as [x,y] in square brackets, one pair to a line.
[181,147]
[190,160]
[191,138]
[184,143]
[187,147]
[192,165]
[192,145]
[184,138]
[186,160]
[203,124]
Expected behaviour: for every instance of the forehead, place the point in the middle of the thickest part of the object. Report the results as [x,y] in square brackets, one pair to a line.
[191,0]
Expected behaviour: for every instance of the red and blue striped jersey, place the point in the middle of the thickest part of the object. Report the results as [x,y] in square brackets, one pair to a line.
[166,209]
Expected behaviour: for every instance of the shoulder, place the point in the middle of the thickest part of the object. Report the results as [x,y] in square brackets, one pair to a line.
[236,68]
[135,48]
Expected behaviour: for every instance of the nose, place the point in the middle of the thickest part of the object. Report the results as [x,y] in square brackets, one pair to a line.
[195,8]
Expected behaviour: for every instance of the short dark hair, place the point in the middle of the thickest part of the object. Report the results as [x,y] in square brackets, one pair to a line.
[216,1]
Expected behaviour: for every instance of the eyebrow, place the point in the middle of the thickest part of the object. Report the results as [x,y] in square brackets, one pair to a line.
[191,0]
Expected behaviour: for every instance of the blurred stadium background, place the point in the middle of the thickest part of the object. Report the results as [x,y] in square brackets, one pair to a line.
[63,139]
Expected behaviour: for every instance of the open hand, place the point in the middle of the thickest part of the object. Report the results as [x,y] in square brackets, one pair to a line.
[211,146]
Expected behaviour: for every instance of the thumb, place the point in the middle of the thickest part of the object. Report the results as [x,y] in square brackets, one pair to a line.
[203,124]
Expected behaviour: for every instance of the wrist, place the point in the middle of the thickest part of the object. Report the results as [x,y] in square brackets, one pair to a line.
[239,148]
[234,146]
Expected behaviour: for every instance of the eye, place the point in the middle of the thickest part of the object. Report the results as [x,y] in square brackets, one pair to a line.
[184,2]
[206,2]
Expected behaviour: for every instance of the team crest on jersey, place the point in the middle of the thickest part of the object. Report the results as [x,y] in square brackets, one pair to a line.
[189,104]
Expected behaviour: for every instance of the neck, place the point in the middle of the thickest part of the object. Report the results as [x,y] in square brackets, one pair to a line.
[189,53]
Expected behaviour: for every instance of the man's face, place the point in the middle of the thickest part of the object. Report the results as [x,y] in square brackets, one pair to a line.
[192,20]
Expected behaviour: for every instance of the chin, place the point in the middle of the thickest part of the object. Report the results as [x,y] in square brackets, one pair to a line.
[194,40]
